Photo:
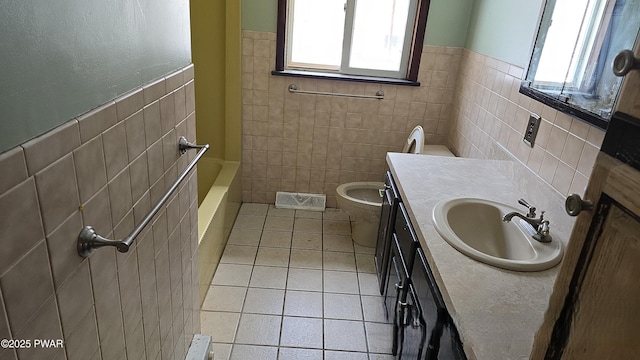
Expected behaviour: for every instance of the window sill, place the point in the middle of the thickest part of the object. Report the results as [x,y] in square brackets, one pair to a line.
[344,77]
[581,114]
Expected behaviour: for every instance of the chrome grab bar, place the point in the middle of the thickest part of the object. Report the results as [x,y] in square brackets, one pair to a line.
[89,239]
[294,89]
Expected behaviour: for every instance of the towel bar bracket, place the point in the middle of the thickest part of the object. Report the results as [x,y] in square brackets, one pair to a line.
[184,145]
[89,240]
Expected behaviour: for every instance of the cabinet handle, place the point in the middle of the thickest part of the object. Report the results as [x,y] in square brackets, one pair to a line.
[574,205]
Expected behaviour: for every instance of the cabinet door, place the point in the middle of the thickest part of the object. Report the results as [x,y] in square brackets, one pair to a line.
[414,328]
[394,282]
[387,218]
[594,310]
[442,340]
[407,238]
[450,346]
[396,292]
[431,303]
[602,318]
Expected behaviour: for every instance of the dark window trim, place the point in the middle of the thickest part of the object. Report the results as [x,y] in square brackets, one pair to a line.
[418,35]
[345,77]
[580,114]
[280,34]
[415,54]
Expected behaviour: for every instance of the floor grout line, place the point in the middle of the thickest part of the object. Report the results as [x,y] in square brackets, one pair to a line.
[352,268]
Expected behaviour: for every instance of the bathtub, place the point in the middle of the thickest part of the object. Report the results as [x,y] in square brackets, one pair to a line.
[219,198]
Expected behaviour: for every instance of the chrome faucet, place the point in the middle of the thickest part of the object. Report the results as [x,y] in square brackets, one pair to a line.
[540,225]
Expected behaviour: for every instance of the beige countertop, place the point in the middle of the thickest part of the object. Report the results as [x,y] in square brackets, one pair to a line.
[496,311]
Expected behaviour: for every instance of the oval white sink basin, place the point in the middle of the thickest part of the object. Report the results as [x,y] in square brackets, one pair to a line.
[475,228]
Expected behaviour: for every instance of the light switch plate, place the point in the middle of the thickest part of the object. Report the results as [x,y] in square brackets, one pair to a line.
[532,129]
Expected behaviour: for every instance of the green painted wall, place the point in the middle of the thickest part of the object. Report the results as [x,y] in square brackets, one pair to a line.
[260,15]
[447,24]
[63,58]
[504,29]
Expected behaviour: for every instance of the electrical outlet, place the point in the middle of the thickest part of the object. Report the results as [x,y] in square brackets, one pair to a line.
[532,129]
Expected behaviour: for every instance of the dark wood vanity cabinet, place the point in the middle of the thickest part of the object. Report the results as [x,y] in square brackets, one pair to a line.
[422,327]
[443,341]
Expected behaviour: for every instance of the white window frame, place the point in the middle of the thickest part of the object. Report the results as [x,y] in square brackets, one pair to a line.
[589,90]
[587,49]
[344,68]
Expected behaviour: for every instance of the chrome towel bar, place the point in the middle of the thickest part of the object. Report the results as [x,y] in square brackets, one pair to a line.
[89,240]
[294,89]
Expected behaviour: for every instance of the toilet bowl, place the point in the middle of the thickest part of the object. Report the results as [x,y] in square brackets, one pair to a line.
[363,200]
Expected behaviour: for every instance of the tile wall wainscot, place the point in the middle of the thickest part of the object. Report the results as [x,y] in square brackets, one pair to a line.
[106,169]
[312,143]
[490,115]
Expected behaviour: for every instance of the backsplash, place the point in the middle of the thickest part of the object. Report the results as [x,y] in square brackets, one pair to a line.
[312,143]
[105,169]
[490,113]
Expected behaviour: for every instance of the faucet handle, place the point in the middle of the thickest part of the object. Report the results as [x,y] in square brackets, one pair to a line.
[532,209]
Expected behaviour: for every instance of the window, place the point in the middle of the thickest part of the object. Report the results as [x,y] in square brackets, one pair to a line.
[570,68]
[350,38]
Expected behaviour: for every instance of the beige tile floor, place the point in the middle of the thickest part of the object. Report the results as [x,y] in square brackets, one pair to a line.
[291,284]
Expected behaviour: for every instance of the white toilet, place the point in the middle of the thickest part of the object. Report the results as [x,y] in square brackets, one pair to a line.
[363,200]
